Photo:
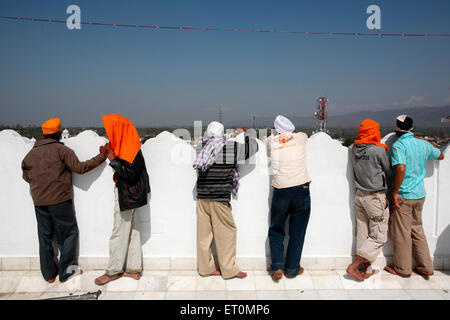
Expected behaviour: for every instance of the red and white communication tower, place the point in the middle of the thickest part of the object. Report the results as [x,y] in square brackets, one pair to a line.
[321,114]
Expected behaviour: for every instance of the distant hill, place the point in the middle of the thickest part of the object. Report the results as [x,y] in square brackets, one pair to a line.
[424,117]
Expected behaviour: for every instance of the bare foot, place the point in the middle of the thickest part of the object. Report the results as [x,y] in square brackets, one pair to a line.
[104,279]
[291,276]
[277,275]
[241,275]
[353,271]
[365,266]
[392,270]
[367,275]
[214,273]
[135,276]
[79,272]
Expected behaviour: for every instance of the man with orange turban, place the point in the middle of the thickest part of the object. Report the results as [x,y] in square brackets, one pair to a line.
[372,169]
[48,169]
[132,188]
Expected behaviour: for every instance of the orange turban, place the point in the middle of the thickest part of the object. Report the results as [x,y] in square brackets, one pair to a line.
[51,126]
[369,133]
[123,136]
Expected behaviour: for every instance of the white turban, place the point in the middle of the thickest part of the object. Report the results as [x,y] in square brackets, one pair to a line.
[215,129]
[283,124]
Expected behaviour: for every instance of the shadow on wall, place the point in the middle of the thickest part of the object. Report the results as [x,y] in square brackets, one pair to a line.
[144,216]
[88,178]
[267,247]
[351,201]
[443,244]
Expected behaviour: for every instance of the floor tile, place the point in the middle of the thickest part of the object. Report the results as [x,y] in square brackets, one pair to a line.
[180,295]
[32,284]
[266,283]
[445,293]
[303,295]
[9,284]
[442,273]
[445,282]
[247,284]
[33,273]
[124,284]
[87,283]
[155,295]
[393,295]
[156,273]
[323,272]
[425,294]
[182,283]
[214,283]
[71,285]
[10,274]
[414,282]
[52,295]
[383,282]
[5,295]
[327,282]
[350,283]
[25,296]
[241,295]
[183,273]
[211,295]
[152,283]
[356,294]
[303,282]
[117,296]
[271,295]
[333,294]
[437,282]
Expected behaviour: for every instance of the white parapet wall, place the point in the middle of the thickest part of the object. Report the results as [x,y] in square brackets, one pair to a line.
[168,222]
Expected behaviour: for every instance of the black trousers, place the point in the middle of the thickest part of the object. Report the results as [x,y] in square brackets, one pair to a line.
[58,220]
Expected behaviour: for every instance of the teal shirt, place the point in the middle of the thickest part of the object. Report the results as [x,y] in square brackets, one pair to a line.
[413,153]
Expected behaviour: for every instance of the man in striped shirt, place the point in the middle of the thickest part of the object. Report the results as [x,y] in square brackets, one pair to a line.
[409,157]
[218,177]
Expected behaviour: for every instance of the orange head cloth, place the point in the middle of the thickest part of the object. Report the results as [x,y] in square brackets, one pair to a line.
[369,133]
[123,136]
[51,126]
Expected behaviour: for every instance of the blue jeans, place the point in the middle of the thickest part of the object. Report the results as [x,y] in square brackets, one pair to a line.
[296,203]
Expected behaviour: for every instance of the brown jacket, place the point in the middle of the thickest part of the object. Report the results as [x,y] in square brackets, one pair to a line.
[48,169]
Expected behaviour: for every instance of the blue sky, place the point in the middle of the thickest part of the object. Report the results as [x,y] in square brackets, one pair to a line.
[172,77]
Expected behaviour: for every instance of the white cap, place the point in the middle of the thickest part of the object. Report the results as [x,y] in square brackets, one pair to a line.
[283,124]
[215,129]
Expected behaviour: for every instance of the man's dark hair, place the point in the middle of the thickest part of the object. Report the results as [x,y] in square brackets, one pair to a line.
[54,136]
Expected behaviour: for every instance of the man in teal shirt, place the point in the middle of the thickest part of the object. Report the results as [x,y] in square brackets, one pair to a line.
[409,157]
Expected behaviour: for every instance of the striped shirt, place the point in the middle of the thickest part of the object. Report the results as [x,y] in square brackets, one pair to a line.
[413,153]
[217,182]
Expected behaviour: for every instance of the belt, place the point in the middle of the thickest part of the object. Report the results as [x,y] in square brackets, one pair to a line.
[372,193]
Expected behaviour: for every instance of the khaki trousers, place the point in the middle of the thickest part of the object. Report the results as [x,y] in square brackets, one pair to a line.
[408,237]
[215,221]
[125,248]
[372,219]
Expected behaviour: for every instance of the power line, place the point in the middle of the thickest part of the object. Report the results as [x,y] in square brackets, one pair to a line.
[235,29]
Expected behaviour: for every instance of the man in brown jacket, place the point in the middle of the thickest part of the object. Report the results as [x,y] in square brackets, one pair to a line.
[48,169]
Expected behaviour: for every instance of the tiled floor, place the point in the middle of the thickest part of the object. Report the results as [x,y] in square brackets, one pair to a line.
[187,285]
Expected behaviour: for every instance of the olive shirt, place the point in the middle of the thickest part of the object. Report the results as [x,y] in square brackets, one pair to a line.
[48,169]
